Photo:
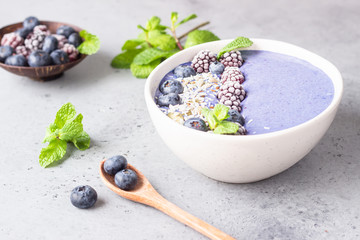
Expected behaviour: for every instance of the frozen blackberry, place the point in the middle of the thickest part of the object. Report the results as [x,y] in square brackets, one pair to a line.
[22,50]
[59,57]
[41,29]
[216,68]
[34,41]
[11,39]
[5,51]
[61,40]
[39,58]
[231,94]
[75,39]
[232,74]
[241,130]
[201,61]
[23,32]
[231,59]
[184,71]
[50,44]
[65,30]
[30,23]
[16,60]
[71,51]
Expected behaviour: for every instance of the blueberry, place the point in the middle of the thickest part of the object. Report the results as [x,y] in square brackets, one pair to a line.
[168,99]
[75,39]
[23,32]
[126,179]
[216,68]
[50,44]
[16,60]
[235,116]
[171,86]
[83,197]
[196,123]
[5,51]
[59,57]
[30,23]
[65,30]
[39,58]
[115,164]
[184,71]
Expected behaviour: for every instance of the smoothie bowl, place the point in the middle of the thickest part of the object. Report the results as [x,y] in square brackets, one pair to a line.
[287,97]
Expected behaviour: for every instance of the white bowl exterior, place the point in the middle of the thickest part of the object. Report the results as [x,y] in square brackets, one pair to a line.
[241,159]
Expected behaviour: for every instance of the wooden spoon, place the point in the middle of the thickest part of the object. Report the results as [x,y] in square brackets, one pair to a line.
[145,193]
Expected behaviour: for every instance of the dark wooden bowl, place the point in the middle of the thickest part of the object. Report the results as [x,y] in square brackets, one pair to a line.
[40,73]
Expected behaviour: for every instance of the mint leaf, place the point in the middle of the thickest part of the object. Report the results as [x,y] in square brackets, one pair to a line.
[90,45]
[82,141]
[50,133]
[124,59]
[200,36]
[226,127]
[65,113]
[143,71]
[142,28]
[151,54]
[221,111]
[153,23]
[210,118]
[162,41]
[71,129]
[192,16]
[132,44]
[174,17]
[53,152]
[240,42]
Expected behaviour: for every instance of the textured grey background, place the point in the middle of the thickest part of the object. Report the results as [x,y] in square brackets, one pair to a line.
[318,198]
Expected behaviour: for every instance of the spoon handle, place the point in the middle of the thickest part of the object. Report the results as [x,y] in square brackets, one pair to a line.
[186,218]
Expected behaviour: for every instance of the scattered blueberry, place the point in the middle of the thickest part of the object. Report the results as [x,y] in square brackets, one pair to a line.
[75,39]
[171,86]
[59,57]
[83,197]
[30,23]
[23,32]
[216,68]
[184,71]
[50,44]
[39,58]
[65,30]
[5,51]
[16,60]
[196,123]
[126,179]
[115,164]
[168,99]
[235,116]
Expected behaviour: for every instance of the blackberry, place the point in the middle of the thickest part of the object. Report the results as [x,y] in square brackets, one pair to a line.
[241,130]
[5,51]
[71,51]
[22,50]
[11,39]
[202,60]
[34,41]
[41,29]
[231,59]
[231,94]
[232,74]
[61,40]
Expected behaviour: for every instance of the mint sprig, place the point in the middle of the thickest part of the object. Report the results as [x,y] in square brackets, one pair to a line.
[200,36]
[239,42]
[67,127]
[216,119]
[90,45]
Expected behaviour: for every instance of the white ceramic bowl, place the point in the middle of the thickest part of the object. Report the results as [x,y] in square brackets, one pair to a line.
[241,159]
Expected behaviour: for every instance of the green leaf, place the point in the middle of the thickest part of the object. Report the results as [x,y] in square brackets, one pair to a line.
[151,54]
[153,23]
[162,41]
[226,127]
[65,113]
[71,129]
[221,111]
[143,71]
[124,59]
[53,152]
[192,16]
[200,36]
[142,28]
[174,17]
[210,117]
[82,141]
[90,45]
[240,42]
[132,44]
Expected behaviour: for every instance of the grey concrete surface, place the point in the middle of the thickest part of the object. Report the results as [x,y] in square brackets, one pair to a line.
[318,198]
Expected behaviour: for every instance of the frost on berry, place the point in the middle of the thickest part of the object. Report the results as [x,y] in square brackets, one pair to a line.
[11,39]
[231,59]
[41,29]
[71,51]
[202,60]
[23,51]
[231,94]
[232,74]
[61,40]
[34,41]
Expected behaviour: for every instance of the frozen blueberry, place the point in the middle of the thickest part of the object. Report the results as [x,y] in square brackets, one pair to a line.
[39,58]
[115,164]
[16,60]
[65,30]
[75,39]
[196,123]
[184,71]
[83,197]
[235,116]
[126,179]
[168,99]
[50,44]
[59,57]
[23,32]
[216,68]
[30,23]
[5,51]
[171,86]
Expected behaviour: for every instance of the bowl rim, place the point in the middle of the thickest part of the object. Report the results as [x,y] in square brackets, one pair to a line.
[338,92]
